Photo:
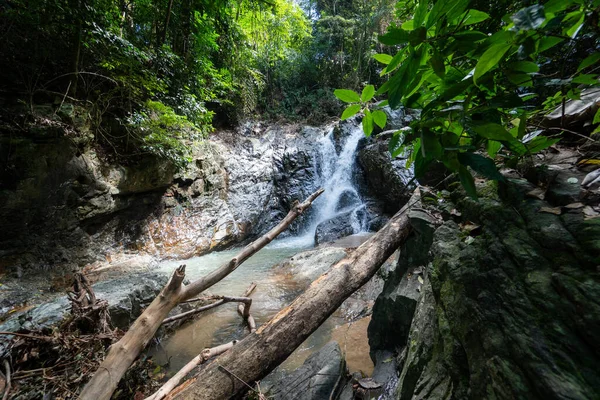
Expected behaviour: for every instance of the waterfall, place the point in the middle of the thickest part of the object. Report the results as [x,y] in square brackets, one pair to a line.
[334,172]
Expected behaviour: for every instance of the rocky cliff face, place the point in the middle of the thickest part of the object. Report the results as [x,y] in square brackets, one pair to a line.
[64,206]
[496,299]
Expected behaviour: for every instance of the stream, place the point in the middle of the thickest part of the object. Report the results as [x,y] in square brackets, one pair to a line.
[276,289]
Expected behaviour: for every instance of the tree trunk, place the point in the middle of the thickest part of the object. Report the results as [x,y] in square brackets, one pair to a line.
[122,354]
[259,353]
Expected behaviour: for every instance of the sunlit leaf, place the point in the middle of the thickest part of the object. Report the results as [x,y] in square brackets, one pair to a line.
[380,118]
[350,111]
[367,123]
[367,93]
[347,96]
[490,59]
[383,58]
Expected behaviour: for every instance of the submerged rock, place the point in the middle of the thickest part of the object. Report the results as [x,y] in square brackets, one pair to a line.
[342,225]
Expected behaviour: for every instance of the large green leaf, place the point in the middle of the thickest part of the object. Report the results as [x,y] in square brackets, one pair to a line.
[490,59]
[430,145]
[437,63]
[540,143]
[395,36]
[420,13]
[367,123]
[548,42]
[472,17]
[493,147]
[367,93]
[467,181]
[480,164]
[589,61]
[524,66]
[380,118]
[350,111]
[383,58]
[556,6]
[497,132]
[347,96]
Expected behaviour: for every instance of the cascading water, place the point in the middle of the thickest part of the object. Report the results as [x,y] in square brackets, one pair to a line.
[341,196]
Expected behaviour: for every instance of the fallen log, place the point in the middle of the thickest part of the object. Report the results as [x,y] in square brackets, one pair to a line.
[122,354]
[259,353]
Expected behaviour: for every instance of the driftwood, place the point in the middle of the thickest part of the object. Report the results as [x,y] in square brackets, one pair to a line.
[244,311]
[259,353]
[122,354]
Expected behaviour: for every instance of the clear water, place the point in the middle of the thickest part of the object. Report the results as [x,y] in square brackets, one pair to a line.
[275,289]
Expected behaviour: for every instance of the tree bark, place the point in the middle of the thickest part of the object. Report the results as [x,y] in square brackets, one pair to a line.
[259,353]
[122,354]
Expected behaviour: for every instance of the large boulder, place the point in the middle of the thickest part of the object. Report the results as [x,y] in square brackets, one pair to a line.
[388,179]
[506,304]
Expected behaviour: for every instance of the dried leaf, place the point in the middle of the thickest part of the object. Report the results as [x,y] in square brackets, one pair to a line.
[551,210]
[455,212]
[574,206]
[469,239]
[469,226]
[421,281]
[537,193]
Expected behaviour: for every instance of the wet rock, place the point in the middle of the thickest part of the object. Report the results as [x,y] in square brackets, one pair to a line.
[339,226]
[348,198]
[126,296]
[309,265]
[388,179]
[316,379]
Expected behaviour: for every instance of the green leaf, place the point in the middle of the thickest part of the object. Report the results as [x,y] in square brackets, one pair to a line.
[597,117]
[540,143]
[395,143]
[430,145]
[524,66]
[493,147]
[548,42]
[367,93]
[490,59]
[408,25]
[437,63]
[574,29]
[556,6]
[589,61]
[383,58]
[474,17]
[347,96]
[418,36]
[420,13]
[395,36]
[350,111]
[367,123]
[421,163]
[467,181]
[529,18]
[498,133]
[482,165]
[586,79]
[380,118]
